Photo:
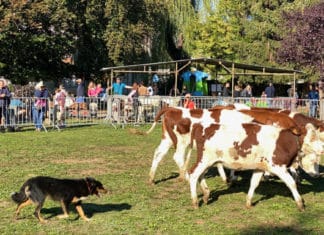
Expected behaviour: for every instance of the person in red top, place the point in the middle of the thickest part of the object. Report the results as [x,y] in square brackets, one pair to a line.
[188,103]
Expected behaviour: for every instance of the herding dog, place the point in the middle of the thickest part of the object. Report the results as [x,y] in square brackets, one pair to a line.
[67,191]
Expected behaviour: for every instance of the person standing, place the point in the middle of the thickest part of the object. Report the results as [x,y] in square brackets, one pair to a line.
[226,89]
[59,106]
[39,108]
[142,90]
[118,87]
[80,91]
[247,91]
[314,98]
[188,103]
[92,91]
[5,96]
[237,91]
[270,93]
[270,90]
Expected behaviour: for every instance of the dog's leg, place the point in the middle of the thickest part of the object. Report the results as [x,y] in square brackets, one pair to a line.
[39,206]
[81,212]
[20,206]
[65,210]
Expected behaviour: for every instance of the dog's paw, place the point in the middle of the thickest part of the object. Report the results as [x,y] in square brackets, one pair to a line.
[62,216]
[43,221]
[86,218]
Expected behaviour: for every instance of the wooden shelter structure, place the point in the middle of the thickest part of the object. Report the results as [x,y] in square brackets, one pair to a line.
[225,67]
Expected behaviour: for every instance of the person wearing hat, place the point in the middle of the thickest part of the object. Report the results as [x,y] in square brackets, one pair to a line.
[39,108]
[5,96]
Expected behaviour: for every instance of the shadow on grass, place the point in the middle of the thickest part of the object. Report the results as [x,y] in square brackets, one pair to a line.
[268,188]
[172,176]
[293,229]
[89,209]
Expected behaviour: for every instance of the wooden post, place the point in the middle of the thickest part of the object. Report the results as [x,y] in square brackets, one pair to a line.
[176,79]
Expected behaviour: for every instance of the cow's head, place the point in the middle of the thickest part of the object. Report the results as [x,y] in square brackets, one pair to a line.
[312,149]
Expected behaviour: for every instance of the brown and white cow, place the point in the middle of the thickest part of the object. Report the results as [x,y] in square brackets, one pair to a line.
[301,120]
[177,125]
[252,146]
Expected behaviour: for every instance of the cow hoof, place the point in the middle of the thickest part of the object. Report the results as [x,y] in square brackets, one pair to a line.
[301,206]
[205,199]
[151,182]
[181,179]
[248,205]
[206,196]
[195,205]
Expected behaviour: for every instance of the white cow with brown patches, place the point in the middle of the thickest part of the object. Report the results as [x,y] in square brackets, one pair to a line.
[177,124]
[252,146]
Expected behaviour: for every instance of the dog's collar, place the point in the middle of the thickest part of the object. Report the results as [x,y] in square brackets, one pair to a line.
[89,188]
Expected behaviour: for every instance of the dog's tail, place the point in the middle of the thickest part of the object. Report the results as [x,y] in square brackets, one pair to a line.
[19,197]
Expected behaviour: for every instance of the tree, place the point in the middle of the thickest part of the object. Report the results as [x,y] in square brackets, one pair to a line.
[212,37]
[130,30]
[34,37]
[302,45]
[90,52]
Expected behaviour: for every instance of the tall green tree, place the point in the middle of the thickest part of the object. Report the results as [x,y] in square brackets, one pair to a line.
[90,52]
[212,37]
[129,31]
[34,37]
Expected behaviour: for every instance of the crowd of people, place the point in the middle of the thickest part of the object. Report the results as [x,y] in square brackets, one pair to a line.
[61,99]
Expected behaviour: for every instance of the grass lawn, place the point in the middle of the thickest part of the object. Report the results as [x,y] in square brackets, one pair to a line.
[121,161]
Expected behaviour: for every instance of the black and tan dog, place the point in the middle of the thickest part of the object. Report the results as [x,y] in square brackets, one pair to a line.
[67,191]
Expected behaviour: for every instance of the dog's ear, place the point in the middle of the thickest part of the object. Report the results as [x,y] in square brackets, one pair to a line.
[90,179]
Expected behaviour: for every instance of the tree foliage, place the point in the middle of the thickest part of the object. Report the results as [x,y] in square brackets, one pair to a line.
[34,37]
[303,44]
[130,32]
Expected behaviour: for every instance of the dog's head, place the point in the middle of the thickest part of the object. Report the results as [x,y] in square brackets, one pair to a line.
[95,187]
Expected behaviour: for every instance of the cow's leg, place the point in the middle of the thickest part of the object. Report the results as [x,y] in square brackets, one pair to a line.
[232,177]
[185,168]
[295,174]
[179,157]
[254,183]
[221,172]
[194,176]
[205,189]
[159,153]
[283,174]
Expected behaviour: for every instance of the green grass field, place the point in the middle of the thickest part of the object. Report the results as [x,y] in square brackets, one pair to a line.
[121,161]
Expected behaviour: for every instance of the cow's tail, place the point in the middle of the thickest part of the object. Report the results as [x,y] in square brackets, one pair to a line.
[19,197]
[157,118]
[152,128]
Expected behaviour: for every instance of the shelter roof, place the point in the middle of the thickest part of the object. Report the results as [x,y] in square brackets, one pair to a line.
[181,64]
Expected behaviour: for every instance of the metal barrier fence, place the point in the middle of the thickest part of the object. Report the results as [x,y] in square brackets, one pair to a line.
[119,111]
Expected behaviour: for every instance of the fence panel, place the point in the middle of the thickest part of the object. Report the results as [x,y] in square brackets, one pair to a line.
[121,110]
